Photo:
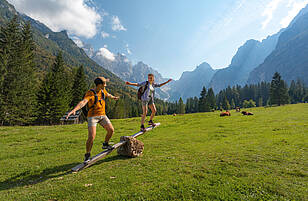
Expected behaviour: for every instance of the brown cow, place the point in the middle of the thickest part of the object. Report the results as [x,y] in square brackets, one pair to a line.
[246,113]
[226,113]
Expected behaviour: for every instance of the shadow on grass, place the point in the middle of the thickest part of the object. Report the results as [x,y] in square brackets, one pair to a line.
[30,178]
[109,159]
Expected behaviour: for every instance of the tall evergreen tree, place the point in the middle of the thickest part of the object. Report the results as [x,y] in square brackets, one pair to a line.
[27,79]
[9,41]
[210,100]
[232,104]
[79,86]
[260,102]
[195,104]
[278,92]
[202,100]
[226,104]
[292,92]
[188,105]
[181,106]
[54,95]
[18,87]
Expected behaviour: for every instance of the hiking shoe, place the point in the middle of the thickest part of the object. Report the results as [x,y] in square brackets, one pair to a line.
[107,146]
[151,123]
[87,158]
[142,128]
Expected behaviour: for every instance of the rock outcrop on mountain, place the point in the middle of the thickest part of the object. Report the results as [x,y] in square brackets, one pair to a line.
[290,55]
[248,57]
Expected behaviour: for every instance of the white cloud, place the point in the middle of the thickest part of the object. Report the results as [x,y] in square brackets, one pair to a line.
[105,34]
[104,52]
[77,41]
[75,16]
[295,7]
[268,12]
[116,24]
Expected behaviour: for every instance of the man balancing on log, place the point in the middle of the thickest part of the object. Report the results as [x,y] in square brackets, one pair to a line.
[95,98]
[146,94]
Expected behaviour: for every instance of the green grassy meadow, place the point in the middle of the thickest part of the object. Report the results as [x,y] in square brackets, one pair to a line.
[189,157]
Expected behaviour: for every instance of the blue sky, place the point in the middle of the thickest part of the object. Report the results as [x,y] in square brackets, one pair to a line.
[171,36]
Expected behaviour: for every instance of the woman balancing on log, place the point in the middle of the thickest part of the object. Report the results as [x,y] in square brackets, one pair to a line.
[146,94]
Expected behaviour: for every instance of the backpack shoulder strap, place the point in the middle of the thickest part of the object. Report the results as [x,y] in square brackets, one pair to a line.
[103,95]
[95,97]
[146,85]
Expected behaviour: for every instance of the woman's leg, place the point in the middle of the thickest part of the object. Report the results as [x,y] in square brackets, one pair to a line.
[153,109]
[144,113]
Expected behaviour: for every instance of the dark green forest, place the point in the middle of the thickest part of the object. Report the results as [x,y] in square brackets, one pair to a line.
[254,95]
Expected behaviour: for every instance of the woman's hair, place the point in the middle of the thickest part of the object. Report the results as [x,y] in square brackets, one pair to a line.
[151,74]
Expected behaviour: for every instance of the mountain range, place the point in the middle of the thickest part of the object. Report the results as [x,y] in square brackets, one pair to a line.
[189,84]
[284,52]
[290,55]
[248,56]
[255,61]
[120,65]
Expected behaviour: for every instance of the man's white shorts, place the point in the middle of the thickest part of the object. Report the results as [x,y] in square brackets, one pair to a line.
[102,120]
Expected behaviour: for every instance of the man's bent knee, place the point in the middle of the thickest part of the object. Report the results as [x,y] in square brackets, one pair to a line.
[109,128]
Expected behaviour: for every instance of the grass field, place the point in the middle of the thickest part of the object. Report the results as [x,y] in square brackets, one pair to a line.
[189,157]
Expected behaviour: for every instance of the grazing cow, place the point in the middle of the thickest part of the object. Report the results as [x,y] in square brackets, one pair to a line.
[238,109]
[246,113]
[226,113]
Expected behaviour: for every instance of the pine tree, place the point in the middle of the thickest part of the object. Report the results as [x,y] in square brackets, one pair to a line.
[43,99]
[196,104]
[278,91]
[79,86]
[292,92]
[54,95]
[260,102]
[181,106]
[202,100]
[300,91]
[210,100]
[18,85]
[226,104]
[27,79]
[9,41]
[188,105]
[232,104]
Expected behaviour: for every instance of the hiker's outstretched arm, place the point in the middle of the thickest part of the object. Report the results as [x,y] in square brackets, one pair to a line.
[162,84]
[133,84]
[80,105]
[113,97]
